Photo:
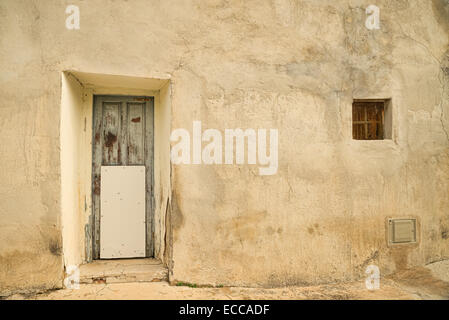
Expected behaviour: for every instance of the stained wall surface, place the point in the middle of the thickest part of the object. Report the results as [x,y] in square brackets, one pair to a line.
[295,66]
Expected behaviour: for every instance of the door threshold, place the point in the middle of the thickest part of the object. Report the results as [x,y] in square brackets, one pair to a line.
[123,270]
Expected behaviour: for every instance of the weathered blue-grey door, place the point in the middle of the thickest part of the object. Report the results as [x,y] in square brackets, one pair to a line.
[122,136]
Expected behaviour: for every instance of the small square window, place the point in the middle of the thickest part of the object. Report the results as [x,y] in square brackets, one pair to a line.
[369,120]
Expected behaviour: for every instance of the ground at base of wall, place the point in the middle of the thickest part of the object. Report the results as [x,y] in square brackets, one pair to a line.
[431,282]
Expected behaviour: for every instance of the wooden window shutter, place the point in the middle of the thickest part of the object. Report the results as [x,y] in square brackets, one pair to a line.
[368,120]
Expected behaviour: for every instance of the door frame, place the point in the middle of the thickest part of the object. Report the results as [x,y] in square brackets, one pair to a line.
[77,91]
[97,133]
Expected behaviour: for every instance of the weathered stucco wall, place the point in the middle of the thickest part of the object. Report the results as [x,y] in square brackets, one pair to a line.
[290,65]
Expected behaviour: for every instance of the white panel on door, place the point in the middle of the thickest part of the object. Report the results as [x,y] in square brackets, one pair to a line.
[122,219]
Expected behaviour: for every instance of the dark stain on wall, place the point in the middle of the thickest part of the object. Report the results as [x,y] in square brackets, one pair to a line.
[444,228]
[400,257]
[176,216]
[55,247]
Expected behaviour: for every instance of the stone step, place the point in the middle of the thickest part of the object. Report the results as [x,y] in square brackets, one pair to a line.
[123,270]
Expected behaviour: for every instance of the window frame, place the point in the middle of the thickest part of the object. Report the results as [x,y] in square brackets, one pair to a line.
[383,124]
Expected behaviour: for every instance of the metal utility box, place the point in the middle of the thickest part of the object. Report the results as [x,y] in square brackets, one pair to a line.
[402,231]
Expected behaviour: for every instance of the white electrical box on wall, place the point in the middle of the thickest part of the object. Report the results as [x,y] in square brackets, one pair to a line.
[122,212]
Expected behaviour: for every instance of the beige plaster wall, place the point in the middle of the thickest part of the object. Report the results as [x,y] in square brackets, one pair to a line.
[290,65]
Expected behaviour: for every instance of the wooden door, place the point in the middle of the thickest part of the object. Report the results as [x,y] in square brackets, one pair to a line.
[122,136]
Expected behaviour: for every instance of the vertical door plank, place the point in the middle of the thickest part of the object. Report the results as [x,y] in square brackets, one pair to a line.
[96,176]
[111,123]
[135,133]
[123,135]
[149,156]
